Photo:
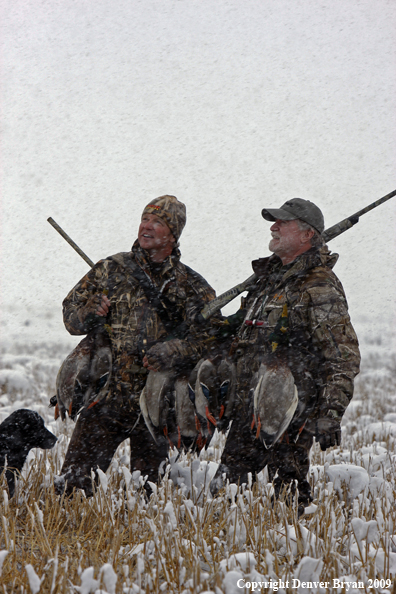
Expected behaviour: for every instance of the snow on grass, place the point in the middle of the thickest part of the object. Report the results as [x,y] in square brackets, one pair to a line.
[182,540]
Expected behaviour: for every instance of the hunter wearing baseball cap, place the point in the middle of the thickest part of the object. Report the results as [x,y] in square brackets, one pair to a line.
[296,359]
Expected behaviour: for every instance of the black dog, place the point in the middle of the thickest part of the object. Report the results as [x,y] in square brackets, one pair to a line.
[19,433]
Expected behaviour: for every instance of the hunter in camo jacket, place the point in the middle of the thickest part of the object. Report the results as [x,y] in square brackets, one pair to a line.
[111,293]
[295,313]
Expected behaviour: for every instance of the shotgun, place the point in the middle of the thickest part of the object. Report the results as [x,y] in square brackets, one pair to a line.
[70,241]
[347,223]
[329,234]
[218,302]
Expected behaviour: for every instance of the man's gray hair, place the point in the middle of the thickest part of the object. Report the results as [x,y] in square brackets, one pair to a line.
[316,239]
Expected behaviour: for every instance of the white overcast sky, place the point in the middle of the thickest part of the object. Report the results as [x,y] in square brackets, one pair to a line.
[230,105]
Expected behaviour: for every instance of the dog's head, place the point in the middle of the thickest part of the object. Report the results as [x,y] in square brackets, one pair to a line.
[24,429]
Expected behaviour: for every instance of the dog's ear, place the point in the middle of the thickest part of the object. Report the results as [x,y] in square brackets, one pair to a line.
[23,425]
[13,439]
[34,431]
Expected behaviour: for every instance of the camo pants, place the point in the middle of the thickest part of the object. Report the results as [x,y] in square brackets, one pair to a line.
[287,461]
[98,433]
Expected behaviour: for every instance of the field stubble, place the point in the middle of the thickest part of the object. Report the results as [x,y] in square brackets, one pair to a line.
[182,540]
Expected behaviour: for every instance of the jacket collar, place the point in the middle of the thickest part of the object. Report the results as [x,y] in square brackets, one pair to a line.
[143,259]
[313,258]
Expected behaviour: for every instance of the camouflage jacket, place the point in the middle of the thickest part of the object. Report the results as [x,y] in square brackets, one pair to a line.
[133,322]
[299,313]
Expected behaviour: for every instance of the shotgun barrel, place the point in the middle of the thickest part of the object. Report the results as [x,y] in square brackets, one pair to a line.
[329,234]
[70,241]
[347,223]
[218,302]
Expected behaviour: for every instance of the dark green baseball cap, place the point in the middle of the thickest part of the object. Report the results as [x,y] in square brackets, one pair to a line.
[297,208]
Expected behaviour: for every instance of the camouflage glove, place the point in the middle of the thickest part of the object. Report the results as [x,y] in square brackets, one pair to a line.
[90,308]
[328,432]
[160,356]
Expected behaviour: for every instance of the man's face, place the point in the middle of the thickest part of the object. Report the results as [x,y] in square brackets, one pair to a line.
[154,235]
[288,240]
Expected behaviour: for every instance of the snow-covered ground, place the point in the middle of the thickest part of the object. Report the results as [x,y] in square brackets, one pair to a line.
[236,543]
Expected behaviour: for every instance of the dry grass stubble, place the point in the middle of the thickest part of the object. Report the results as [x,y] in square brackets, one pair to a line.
[181,541]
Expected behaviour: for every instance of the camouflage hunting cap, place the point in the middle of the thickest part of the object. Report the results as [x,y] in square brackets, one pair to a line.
[170,210]
[297,208]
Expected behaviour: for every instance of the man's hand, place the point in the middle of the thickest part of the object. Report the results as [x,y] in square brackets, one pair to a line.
[158,357]
[328,432]
[103,307]
[147,364]
[97,305]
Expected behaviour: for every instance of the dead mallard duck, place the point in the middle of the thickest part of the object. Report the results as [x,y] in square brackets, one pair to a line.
[167,408]
[275,400]
[213,394]
[84,375]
